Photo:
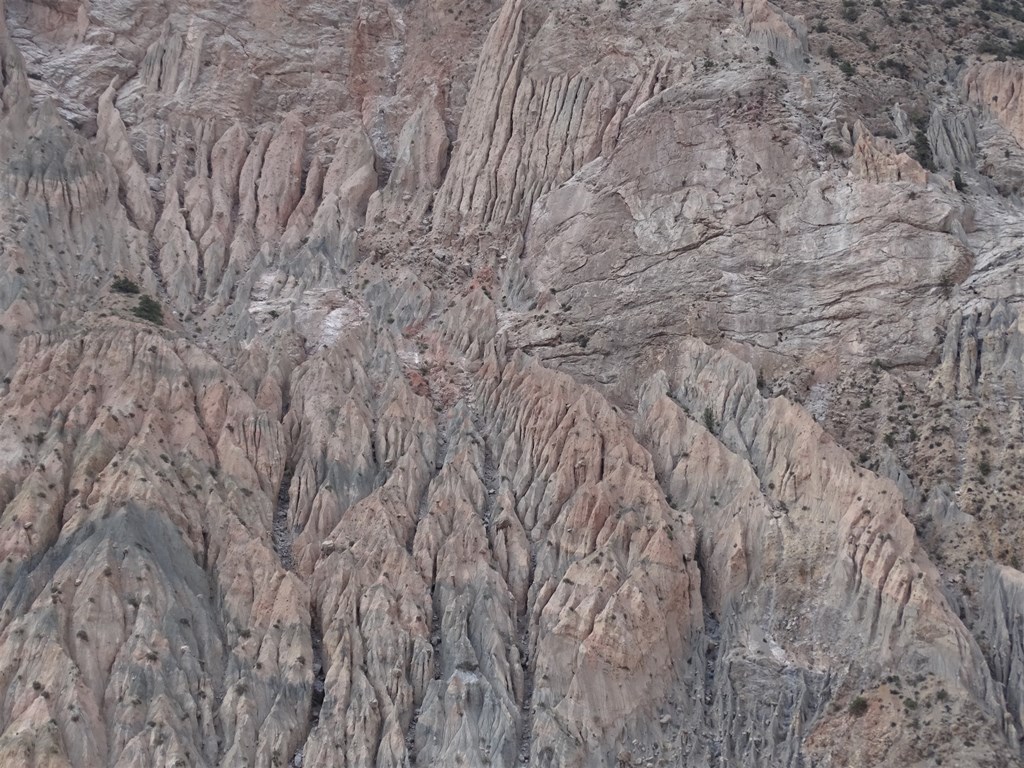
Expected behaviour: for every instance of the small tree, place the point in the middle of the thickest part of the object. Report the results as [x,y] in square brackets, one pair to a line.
[859,706]
[124,285]
[150,310]
[923,147]
[709,420]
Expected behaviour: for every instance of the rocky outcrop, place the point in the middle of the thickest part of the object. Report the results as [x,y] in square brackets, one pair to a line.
[995,87]
[122,597]
[13,83]
[771,490]
[605,543]
[877,545]
[280,178]
[999,631]
[500,580]
[713,226]
[981,349]
[418,170]
[69,236]
[521,133]
[877,160]
[113,139]
[769,26]
[953,139]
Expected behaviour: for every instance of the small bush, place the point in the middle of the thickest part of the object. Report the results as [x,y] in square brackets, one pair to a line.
[859,706]
[898,68]
[709,420]
[150,310]
[124,285]
[82,635]
[922,147]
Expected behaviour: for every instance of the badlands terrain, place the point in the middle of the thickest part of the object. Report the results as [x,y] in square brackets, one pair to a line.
[563,383]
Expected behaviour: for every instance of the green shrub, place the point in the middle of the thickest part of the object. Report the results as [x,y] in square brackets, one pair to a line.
[898,68]
[709,420]
[150,310]
[859,706]
[124,285]
[922,147]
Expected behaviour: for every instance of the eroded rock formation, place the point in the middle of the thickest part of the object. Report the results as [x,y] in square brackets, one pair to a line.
[495,384]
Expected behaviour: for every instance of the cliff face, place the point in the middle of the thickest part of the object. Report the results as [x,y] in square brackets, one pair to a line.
[469,383]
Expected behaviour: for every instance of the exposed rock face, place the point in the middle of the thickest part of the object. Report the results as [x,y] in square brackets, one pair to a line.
[418,171]
[779,506]
[467,384]
[995,86]
[781,33]
[877,161]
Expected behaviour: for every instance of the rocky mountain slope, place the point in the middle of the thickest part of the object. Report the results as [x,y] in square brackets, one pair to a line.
[503,382]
